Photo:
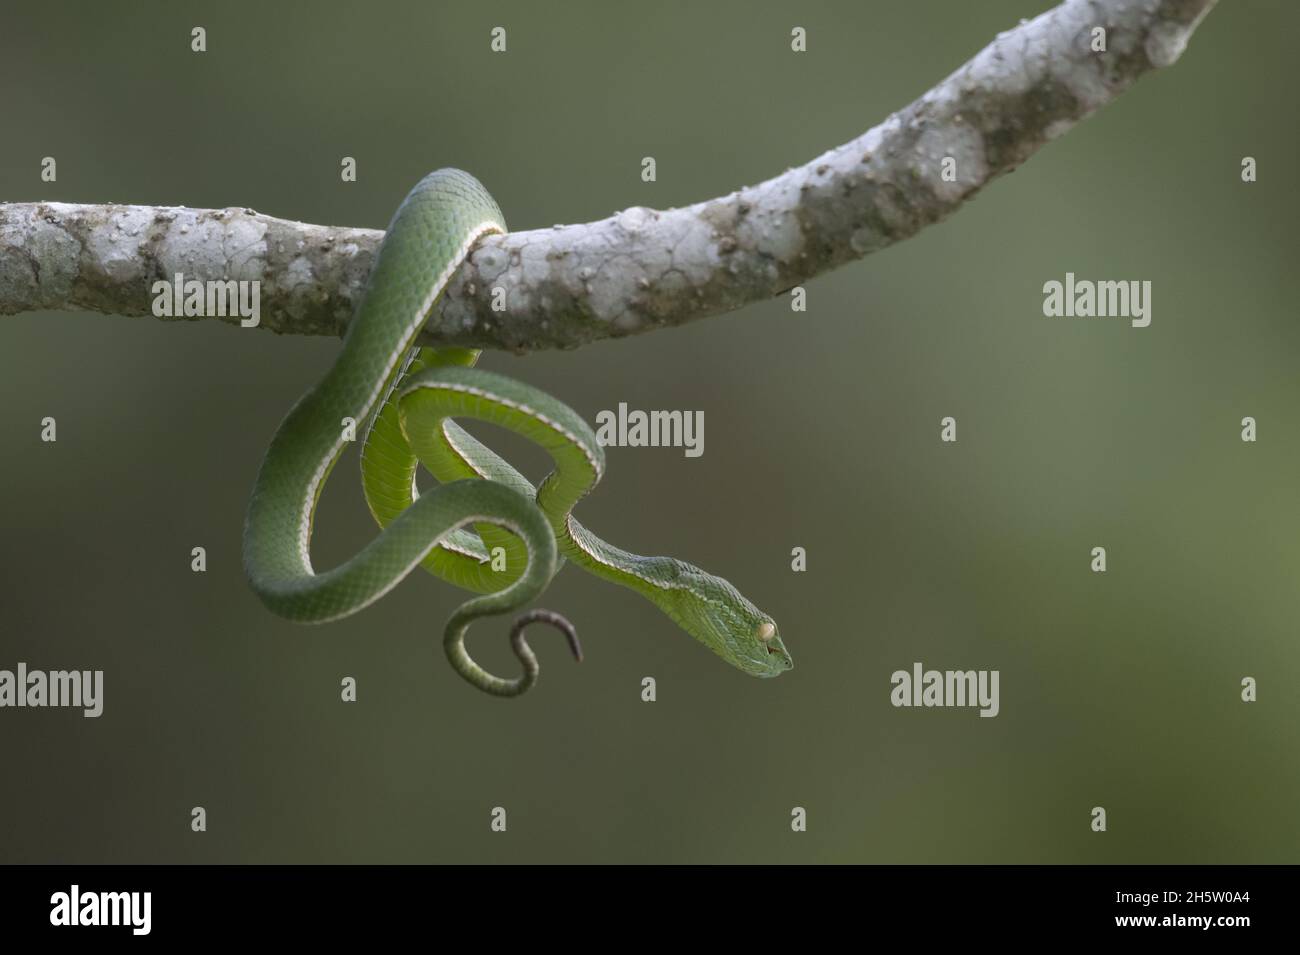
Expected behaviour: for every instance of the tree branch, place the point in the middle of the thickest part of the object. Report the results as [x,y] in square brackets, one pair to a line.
[641,269]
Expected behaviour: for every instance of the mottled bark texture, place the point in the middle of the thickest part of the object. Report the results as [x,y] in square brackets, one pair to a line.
[641,269]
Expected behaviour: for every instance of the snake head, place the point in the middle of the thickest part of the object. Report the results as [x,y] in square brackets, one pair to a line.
[719,616]
[765,650]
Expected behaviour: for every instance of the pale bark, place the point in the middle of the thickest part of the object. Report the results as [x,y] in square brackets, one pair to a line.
[640,269]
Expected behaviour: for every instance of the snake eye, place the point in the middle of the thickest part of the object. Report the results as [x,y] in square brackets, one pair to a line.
[766,631]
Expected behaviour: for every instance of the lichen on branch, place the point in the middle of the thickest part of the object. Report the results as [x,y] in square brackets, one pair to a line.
[642,268]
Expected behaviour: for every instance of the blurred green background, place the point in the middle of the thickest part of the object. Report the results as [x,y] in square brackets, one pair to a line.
[822,431]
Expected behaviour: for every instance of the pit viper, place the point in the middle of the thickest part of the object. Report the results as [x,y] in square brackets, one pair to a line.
[484,527]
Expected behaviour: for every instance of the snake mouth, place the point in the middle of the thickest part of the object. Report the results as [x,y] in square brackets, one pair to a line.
[779,665]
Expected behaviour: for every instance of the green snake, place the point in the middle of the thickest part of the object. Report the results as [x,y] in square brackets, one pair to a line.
[485,527]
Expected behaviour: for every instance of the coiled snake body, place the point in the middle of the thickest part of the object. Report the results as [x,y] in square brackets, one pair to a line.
[410,396]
